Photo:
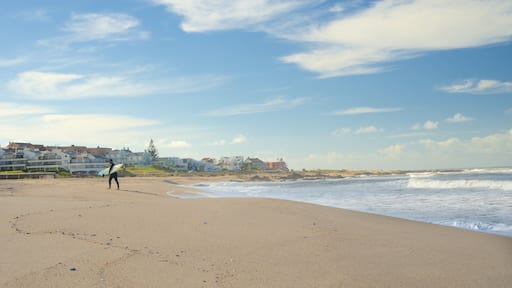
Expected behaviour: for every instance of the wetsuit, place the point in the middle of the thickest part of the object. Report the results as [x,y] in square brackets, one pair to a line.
[112,176]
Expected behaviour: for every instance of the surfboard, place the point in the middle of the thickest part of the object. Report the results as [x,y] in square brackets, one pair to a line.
[103,172]
[116,168]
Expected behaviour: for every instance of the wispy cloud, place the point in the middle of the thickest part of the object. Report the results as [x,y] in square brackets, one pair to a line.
[11,62]
[271,105]
[68,86]
[108,26]
[457,118]
[8,109]
[174,144]
[474,86]
[239,139]
[95,122]
[365,110]
[428,125]
[88,129]
[368,129]
[341,132]
[366,41]
[42,85]
[484,151]
[360,130]
[359,40]
[104,27]
[40,15]
[201,16]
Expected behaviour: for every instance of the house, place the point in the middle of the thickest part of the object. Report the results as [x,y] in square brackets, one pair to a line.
[278,165]
[14,146]
[231,163]
[177,164]
[254,163]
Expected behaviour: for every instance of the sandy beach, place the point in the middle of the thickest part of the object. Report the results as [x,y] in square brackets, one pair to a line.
[74,232]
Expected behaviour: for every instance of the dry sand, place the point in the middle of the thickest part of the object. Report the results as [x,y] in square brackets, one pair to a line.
[76,233]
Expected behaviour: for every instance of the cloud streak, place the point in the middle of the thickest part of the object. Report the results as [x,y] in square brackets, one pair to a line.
[108,26]
[8,109]
[11,62]
[102,27]
[68,86]
[368,129]
[276,104]
[428,125]
[60,86]
[202,16]
[474,86]
[366,110]
[458,118]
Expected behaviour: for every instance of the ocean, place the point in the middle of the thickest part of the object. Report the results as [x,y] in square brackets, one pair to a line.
[476,199]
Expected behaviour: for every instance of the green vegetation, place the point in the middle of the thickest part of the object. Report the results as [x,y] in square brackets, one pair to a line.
[147,171]
[12,172]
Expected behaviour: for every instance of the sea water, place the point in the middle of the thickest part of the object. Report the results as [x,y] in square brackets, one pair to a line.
[477,199]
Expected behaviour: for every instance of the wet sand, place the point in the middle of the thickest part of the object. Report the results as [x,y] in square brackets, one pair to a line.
[76,233]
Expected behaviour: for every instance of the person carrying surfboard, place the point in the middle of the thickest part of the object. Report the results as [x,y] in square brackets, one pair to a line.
[112,175]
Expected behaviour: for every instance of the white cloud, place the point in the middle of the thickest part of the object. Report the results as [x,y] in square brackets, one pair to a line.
[365,41]
[102,27]
[341,132]
[239,139]
[483,86]
[361,130]
[8,109]
[86,129]
[219,143]
[457,118]
[337,8]
[275,104]
[489,151]
[368,129]
[178,144]
[94,122]
[365,110]
[35,15]
[392,151]
[201,16]
[107,26]
[11,62]
[428,125]
[61,86]
[42,85]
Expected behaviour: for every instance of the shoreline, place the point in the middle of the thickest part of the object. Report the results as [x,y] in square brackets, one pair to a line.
[192,191]
[73,232]
[252,175]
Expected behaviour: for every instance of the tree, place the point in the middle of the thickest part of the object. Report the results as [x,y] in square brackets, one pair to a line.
[151,151]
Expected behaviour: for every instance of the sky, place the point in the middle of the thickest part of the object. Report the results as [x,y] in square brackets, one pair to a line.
[391,84]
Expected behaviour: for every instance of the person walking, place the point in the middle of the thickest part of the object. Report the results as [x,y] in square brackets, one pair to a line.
[112,175]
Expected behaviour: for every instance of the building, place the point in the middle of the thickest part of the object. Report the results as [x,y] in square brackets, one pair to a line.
[255,163]
[277,165]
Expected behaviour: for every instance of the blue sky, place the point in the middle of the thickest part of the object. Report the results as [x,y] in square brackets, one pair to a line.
[388,84]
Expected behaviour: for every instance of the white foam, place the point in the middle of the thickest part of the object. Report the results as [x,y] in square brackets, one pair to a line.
[453,184]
